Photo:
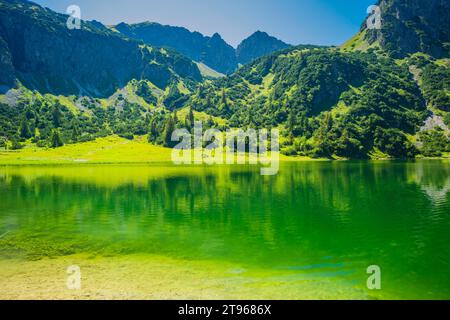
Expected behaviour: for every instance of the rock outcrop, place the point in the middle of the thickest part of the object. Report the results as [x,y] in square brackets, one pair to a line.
[410,26]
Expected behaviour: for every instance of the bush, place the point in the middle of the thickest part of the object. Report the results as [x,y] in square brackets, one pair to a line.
[289,151]
[127,135]
[85,137]
[3,142]
[16,145]
[42,144]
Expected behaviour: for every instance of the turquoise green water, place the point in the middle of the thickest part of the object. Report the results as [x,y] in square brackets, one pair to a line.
[321,219]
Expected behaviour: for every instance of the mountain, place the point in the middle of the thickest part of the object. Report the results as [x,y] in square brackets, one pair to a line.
[37,49]
[418,33]
[6,67]
[257,45]
[377,96]
[325,101]
[385,93]
[212,51]
[410,26]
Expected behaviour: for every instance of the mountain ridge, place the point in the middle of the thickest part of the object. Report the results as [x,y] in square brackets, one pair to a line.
[192,44]
[213,51]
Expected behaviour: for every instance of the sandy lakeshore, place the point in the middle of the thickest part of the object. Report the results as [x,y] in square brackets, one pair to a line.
[154,278]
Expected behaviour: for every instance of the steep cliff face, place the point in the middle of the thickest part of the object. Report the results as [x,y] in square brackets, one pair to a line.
[7,70]
[410,26]
[257,45]
[224,54]
[212,51]
[47,56]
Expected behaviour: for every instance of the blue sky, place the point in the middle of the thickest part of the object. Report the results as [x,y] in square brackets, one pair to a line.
[326,22]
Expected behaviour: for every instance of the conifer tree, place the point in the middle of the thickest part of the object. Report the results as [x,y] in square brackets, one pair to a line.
[55,139]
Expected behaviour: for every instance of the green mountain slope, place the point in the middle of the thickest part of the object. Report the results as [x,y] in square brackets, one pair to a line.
[373,97]
[321,97]
[81,84]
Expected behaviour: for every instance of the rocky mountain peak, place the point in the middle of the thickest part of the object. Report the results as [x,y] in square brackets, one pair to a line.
[258,45]
[410,26]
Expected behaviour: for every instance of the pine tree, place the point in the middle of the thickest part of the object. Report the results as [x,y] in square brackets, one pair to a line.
[210,123]
[207,104]
[190,119]
[153,131]
[169,128]
[303,123]
[55,139]
[225,108]
[147,119]
[291,125]
[56,115]
[25,131]
[324,139]
[223,99]
[325,125]
[75,134]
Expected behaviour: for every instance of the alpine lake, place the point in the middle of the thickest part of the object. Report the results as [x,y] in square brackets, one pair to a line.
[162,231]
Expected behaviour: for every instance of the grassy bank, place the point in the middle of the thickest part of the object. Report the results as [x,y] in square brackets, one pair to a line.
[104,150]
[109,150]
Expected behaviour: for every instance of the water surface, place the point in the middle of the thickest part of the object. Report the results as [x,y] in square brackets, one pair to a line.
[314,220]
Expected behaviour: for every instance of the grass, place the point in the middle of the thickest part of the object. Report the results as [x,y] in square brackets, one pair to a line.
[200,116]
[377,154]
[116,150]
[359,43]
[356,42]
[208,72]
[104,150]
[109,150]
[68,103]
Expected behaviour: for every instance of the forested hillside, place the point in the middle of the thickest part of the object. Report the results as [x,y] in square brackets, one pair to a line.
[327,102]
[361,100]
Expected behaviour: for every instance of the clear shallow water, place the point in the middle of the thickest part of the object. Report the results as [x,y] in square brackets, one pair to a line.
[319,220]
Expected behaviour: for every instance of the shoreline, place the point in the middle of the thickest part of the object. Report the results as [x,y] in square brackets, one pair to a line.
[149,277]
[114,150]
[102,151]
[44,163]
